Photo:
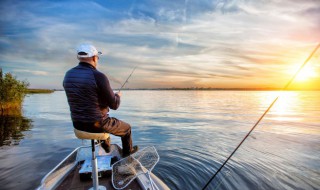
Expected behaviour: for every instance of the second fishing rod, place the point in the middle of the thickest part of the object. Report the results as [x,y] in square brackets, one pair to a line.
[127,80]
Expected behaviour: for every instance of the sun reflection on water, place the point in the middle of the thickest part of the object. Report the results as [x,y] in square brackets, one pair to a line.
[289,112]
[286,105]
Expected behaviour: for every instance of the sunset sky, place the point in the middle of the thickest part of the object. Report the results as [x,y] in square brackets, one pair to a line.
[173,43]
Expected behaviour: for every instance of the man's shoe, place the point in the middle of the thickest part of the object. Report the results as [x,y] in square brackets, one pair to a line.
[105,146]
[134,149]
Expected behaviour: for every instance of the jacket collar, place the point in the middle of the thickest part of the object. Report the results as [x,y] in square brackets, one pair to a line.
[85,64]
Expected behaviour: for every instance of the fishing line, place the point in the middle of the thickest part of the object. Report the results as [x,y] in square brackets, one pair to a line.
[262,116]
[125,82]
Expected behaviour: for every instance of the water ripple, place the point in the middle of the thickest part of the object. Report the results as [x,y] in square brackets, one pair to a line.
[194,132]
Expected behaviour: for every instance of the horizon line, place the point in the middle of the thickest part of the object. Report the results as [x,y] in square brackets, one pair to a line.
[203,88]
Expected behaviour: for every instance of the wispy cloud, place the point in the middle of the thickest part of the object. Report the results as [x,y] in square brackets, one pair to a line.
[39,73]
[187,43]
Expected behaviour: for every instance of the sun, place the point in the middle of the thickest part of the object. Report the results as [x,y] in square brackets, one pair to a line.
[306,74]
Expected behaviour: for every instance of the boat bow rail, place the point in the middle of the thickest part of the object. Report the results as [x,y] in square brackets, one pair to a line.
[59,176]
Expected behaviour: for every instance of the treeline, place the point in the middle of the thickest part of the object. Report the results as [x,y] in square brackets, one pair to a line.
[12,93]
[39,91]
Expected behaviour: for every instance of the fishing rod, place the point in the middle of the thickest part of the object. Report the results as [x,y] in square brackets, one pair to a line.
[125,82]
[262,116]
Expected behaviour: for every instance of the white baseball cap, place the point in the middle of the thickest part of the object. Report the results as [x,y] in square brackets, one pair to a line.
[88,49]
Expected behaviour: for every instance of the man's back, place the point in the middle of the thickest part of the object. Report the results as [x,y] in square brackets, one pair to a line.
[82,93]
[90,96]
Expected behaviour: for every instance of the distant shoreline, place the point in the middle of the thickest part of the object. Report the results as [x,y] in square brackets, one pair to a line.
[39,91]
[208,89]
[219,89]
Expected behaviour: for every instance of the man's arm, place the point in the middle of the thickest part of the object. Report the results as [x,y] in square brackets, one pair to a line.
[106,96]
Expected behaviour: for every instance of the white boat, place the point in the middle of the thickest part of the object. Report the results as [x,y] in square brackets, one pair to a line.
[133,172]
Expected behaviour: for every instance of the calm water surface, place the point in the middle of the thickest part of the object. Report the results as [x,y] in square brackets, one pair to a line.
[193,131]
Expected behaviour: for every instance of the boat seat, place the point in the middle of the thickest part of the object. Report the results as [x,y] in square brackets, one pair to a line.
[86,135]
[93,136]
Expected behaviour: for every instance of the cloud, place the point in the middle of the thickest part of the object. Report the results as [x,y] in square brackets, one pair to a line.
[39,73]
[205,40]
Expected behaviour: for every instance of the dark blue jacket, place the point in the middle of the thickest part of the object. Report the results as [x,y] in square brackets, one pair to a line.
[88,92]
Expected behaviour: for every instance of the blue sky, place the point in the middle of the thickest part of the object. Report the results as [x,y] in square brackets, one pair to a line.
[181,43]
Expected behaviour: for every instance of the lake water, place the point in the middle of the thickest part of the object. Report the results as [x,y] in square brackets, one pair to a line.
[193,131]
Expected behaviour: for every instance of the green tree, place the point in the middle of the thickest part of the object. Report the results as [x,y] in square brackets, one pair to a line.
[12,92]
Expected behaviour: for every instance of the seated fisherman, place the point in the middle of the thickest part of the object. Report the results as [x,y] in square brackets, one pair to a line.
[90,96]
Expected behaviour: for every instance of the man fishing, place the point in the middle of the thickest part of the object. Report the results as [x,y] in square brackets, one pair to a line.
[90,96]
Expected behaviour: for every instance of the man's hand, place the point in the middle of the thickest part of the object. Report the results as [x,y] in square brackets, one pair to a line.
[119,93]
[105,113]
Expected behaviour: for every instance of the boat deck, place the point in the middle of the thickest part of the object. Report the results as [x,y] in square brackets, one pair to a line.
[72,181]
